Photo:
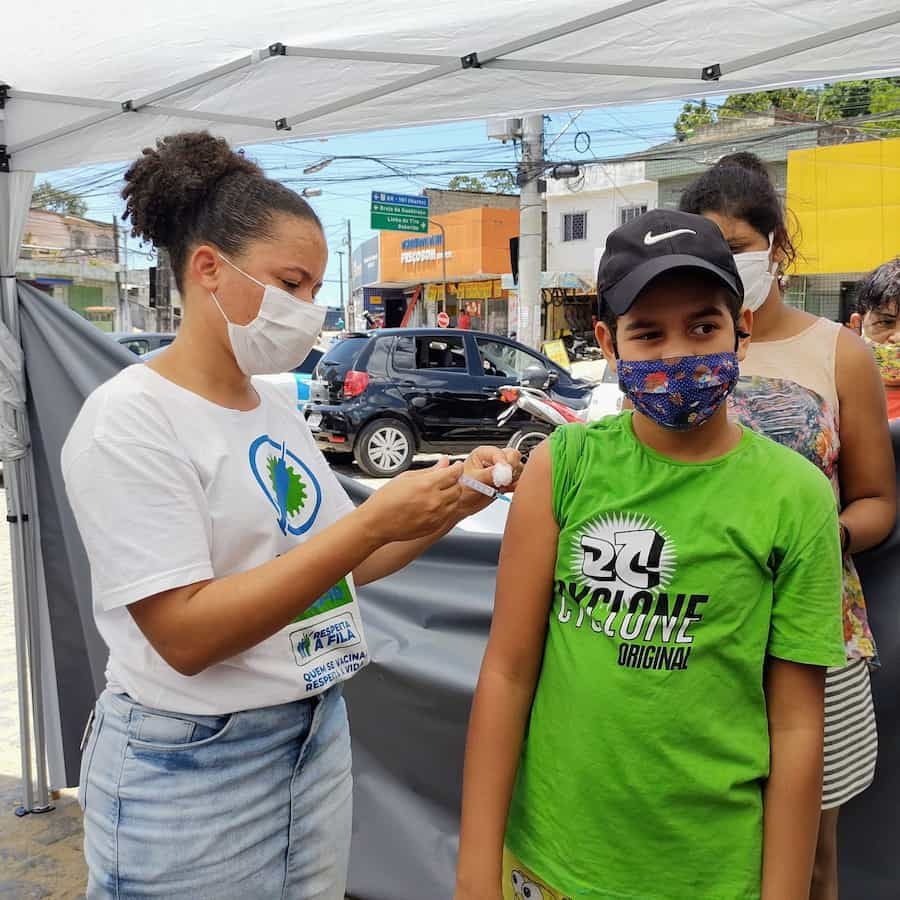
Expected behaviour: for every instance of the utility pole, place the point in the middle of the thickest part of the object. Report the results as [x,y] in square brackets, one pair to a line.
[349,310]
[531,208]
[340,254]
[124,309]
[121,301]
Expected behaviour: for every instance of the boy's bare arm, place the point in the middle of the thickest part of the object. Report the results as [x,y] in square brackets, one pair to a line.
[508,677]
[795,698]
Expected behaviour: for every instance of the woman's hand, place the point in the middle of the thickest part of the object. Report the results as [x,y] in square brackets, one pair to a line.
[416,504]
[479,465]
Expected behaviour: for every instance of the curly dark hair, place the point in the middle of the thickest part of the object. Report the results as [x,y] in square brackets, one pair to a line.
[193,188]
[880,288]
[739,186]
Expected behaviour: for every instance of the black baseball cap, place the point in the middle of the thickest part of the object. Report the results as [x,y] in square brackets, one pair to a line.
[657,242]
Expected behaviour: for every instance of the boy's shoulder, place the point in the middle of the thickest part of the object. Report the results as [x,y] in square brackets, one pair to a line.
[781,467]
[570,442]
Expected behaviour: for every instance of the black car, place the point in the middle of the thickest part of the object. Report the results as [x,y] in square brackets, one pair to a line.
[141,342]
[388,394]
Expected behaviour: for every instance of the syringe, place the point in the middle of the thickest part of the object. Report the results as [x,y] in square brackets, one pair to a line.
[485,489]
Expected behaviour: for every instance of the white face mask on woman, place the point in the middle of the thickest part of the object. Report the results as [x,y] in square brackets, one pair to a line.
[757,273]
[280,337]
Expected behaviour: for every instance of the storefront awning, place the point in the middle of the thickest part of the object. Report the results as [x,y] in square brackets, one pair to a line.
[568,281]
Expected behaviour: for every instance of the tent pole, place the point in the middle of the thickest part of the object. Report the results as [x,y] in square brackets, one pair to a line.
[29,537]
[811,43]
[21,533]
[28,653]
[20,605]
[567,68]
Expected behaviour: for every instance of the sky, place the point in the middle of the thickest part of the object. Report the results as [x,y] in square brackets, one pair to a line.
[402,161]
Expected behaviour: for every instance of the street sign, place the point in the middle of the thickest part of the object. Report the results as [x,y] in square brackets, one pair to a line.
[443,320]
[399,212]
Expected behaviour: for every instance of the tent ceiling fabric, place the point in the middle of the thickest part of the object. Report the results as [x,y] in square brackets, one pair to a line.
[395,65]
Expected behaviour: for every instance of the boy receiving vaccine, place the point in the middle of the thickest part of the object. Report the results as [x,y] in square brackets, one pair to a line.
[648,723]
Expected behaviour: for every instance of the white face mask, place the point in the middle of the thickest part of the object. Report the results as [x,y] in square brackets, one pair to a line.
[757,273]
[280,337]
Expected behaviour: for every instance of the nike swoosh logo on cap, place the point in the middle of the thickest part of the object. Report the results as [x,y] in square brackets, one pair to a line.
[650,238]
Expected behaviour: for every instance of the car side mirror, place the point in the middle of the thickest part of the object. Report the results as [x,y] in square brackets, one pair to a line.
[537,377]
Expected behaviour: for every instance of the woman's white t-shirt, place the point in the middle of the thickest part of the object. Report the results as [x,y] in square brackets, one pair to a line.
[169,489]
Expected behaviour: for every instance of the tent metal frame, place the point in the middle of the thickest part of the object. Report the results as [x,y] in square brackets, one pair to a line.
[436,67]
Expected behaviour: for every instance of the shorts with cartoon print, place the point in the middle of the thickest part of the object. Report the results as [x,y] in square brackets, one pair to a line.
[520,883]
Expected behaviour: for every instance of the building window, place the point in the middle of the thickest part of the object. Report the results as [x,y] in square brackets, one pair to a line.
[574,226]
[630,213]
[79,240]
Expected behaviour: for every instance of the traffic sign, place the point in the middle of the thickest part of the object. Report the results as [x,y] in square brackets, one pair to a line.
[399,212]
[443,320]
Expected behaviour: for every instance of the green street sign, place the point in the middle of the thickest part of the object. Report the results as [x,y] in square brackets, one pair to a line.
[397,221]
[399,212]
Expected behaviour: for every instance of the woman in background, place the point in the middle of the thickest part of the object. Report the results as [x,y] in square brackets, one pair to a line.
[813,385]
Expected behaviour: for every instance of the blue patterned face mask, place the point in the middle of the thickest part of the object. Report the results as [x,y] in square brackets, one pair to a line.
[679,393]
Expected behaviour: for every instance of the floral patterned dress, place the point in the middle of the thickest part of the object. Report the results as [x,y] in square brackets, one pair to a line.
[801,419]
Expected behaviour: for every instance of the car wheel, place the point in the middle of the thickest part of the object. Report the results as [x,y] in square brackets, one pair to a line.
[385,448]
[526,440]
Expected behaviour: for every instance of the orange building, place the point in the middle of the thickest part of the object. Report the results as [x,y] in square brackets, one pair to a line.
[474,245]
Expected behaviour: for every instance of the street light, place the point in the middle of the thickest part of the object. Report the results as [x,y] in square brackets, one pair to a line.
[444,262]
[311,192]
[317,167]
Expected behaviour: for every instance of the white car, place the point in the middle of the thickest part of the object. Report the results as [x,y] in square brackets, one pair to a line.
[606,397]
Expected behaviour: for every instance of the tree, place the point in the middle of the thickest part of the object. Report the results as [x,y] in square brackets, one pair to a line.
[830,103]
[499,181]
[795,100]
[694,115]
[885,97]
[47,197]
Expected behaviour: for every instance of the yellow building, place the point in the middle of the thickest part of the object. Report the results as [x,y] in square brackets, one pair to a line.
[846,202]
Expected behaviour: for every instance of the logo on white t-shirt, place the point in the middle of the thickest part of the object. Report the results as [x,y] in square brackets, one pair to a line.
[336,633]
[287,483]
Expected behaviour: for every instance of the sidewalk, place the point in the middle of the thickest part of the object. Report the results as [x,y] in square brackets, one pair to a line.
[40,856]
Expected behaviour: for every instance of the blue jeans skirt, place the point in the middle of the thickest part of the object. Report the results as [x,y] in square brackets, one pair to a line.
[256,804]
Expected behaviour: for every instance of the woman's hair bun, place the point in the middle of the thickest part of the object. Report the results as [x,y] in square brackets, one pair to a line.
[167,186]
[750,162]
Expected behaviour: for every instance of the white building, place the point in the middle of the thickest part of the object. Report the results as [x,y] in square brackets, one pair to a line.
[582,211]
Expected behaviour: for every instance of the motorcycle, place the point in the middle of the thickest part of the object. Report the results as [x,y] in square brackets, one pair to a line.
[531,397]
[579,349]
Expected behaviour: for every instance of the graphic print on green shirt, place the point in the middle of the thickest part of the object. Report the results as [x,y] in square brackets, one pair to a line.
[647,747]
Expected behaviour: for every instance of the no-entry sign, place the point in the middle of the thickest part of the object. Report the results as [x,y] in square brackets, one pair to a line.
[443,320]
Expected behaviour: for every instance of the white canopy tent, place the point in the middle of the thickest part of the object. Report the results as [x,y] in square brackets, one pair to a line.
[97,81]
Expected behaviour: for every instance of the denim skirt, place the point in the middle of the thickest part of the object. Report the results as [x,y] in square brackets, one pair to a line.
[256,804]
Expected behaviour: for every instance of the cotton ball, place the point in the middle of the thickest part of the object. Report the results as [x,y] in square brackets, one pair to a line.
[503,474]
